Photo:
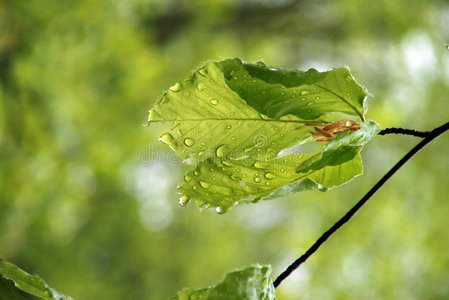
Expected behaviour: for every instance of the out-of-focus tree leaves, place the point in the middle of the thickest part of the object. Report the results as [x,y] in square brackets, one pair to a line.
[81,188]
[31,284]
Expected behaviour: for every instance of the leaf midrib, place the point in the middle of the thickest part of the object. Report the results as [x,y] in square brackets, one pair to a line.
[237,119]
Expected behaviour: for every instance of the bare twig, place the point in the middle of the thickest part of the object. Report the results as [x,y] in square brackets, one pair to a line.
[394,130]
[428,138]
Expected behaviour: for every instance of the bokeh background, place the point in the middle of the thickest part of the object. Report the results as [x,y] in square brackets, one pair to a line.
[88,194]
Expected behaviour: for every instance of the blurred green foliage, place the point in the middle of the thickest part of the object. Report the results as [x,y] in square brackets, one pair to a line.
[15,283]
[88,195]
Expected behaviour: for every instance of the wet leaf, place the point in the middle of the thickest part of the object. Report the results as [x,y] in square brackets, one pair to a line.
[223,183]
[233,106]
[230,116]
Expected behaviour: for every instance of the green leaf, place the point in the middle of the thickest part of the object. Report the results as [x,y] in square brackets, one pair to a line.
[231,117]
[308,95]
[223,183]
[31,284]
[224,107]
[252,283]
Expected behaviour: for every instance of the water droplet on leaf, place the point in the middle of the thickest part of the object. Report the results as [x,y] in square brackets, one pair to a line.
[305,92]
[168,139]
[265,117]
[203,72]
[259,165]
[174,125]
[226,163]
[220,210]
[220,151]
[269,176]
[204,185]
[214,101]
[322,187]
[176,88]
[251,189]
[189,142]
[235,177]
[184,200]
[201,86]
[187,178]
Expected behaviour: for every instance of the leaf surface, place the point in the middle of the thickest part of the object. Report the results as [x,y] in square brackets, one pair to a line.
[223,183]
[31,284]
[233,120]
[252,283]
[232,106]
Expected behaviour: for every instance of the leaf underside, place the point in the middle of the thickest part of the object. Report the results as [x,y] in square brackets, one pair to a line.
[234,120]
[31,284]
[252,283]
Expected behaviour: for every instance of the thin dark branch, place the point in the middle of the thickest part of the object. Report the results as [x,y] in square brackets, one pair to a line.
[432,135]
[394,130]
